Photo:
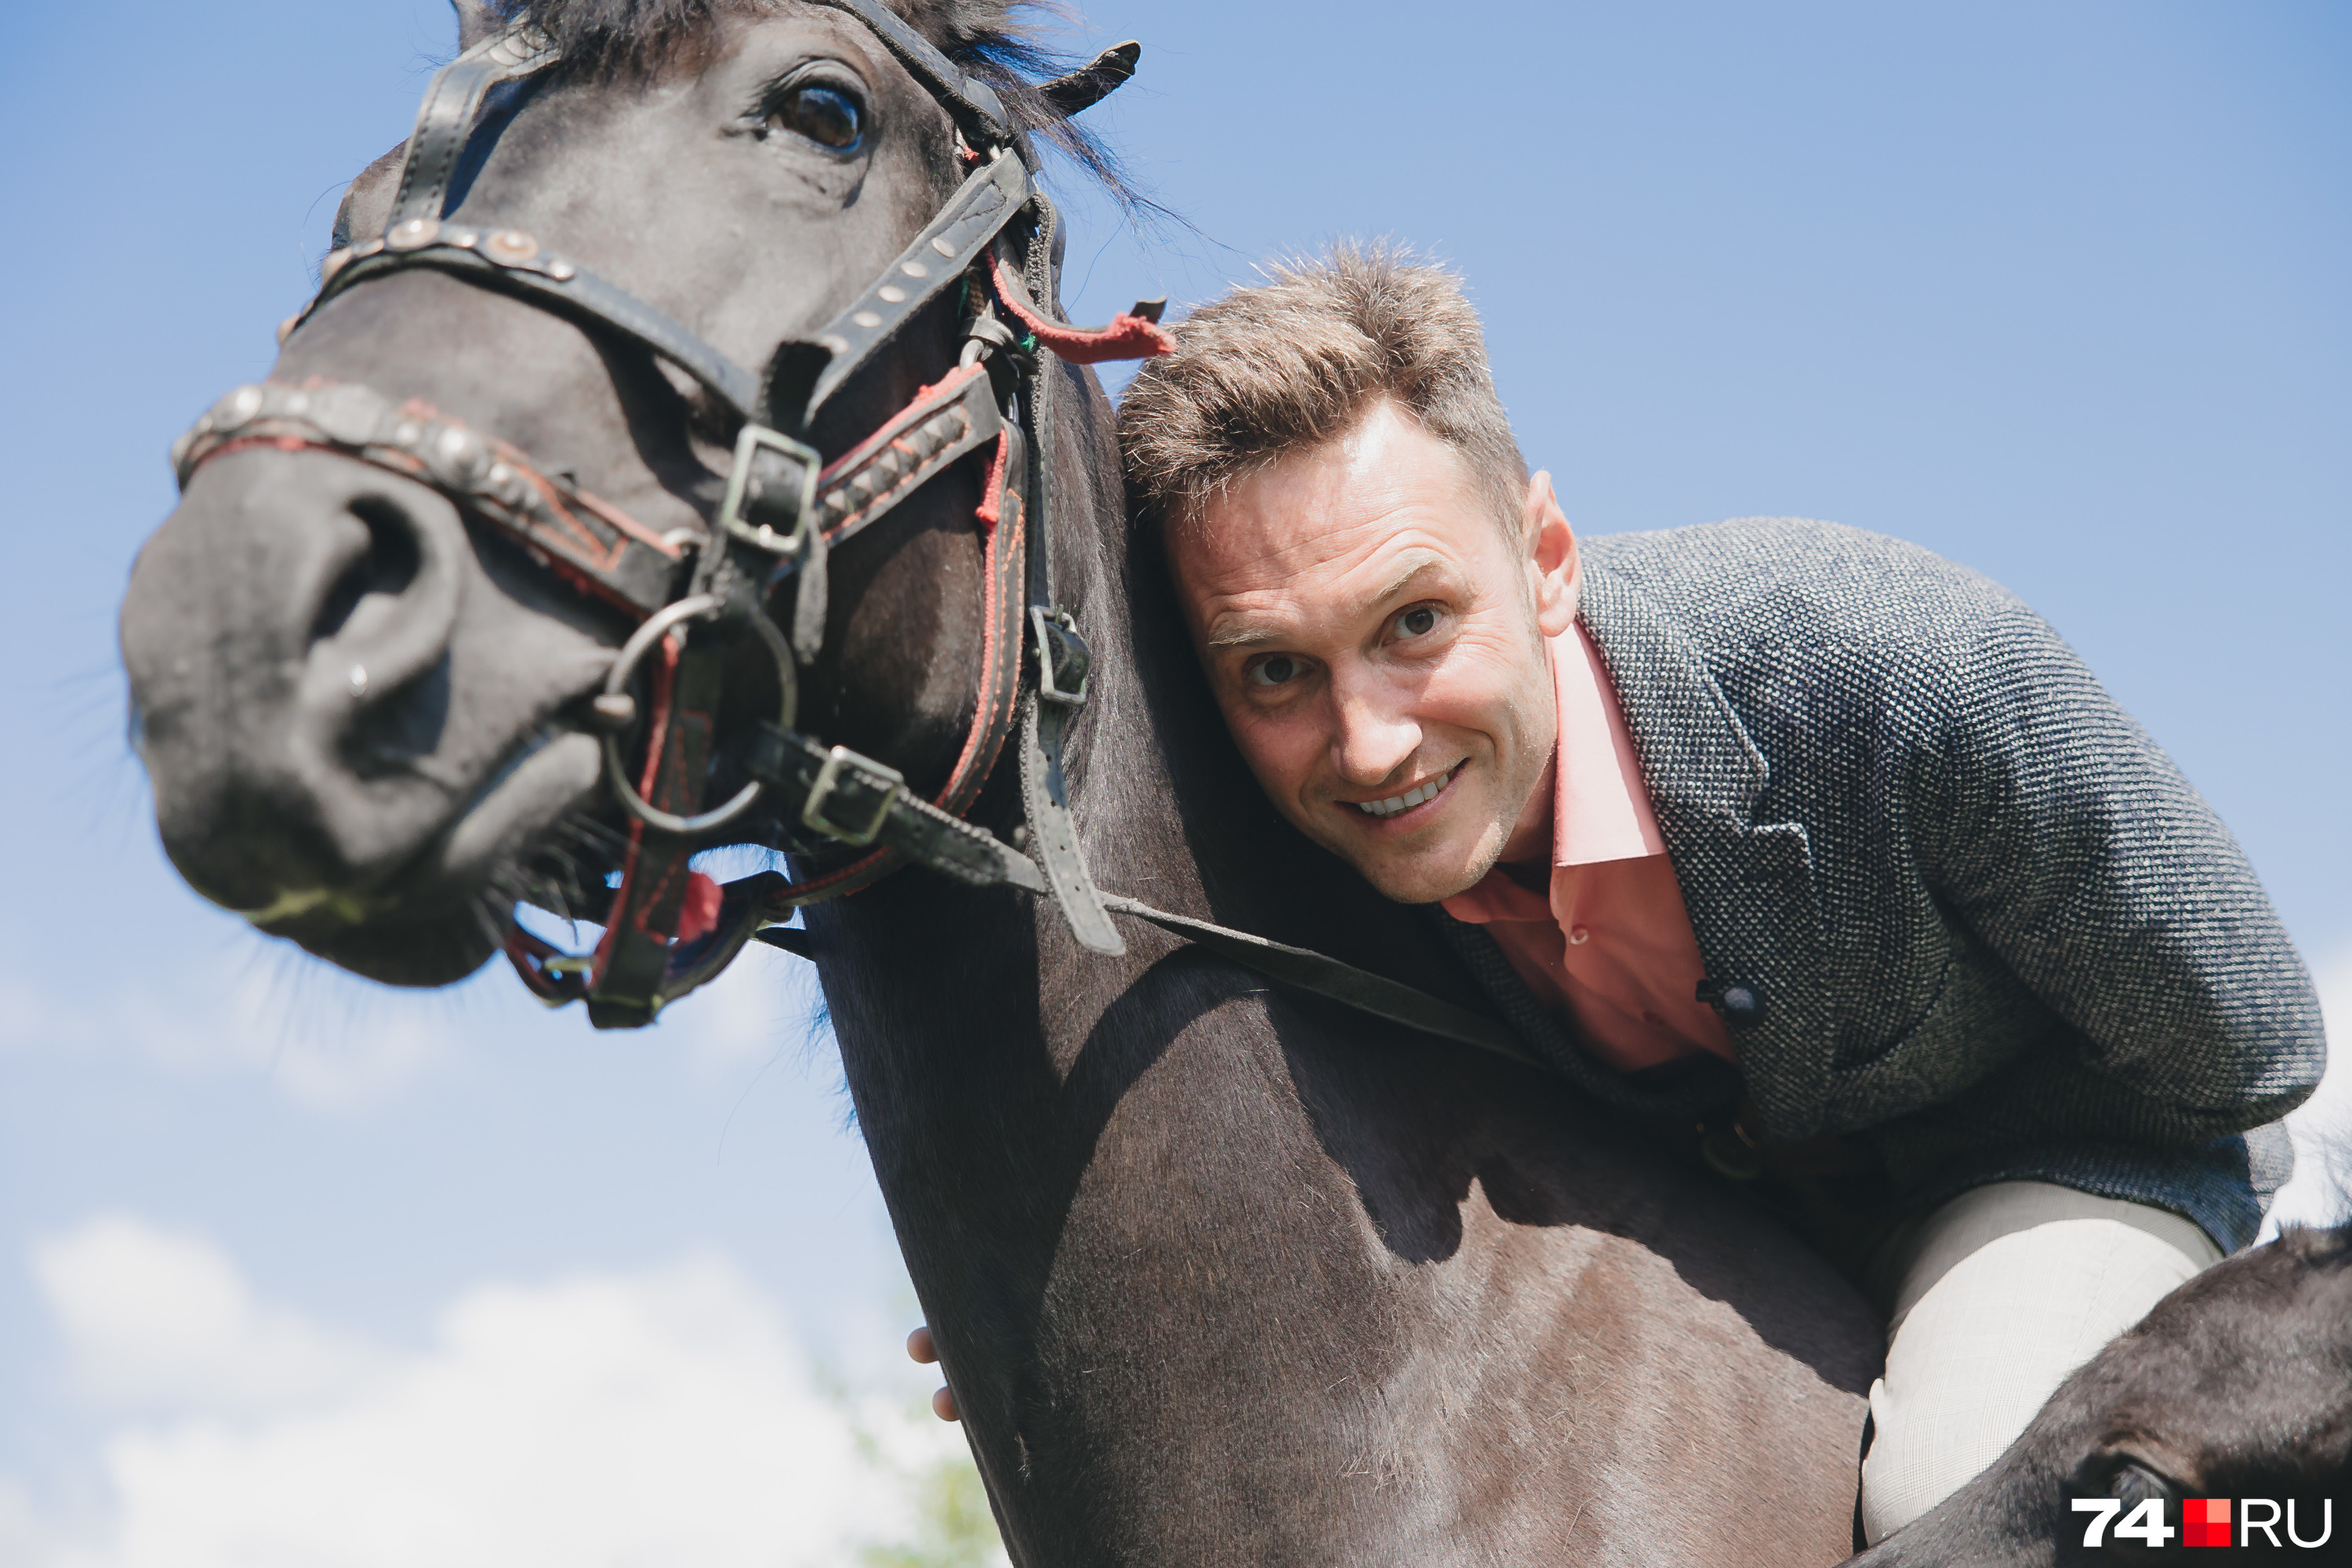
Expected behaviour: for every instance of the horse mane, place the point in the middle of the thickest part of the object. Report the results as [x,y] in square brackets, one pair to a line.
[986,37]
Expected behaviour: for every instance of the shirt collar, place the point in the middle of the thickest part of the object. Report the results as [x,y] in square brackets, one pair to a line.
[1601,809]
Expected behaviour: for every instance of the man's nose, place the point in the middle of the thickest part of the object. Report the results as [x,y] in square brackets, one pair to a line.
[1374,732]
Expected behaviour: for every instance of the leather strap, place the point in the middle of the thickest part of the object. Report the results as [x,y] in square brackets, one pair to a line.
[1002,512]
[1044,796]
[595,546]
[514,262]
[873,802]
[445,119]
[1342,983]
[972,103]
[1052,693]
[1299,967]
[946,421]
[954,416]
[558,978]
[990,198]
[631,978]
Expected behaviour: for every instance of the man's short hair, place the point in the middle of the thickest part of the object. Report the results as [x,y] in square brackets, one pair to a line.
[1299,361]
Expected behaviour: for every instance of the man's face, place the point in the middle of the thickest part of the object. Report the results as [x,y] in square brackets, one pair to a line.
[1375,638]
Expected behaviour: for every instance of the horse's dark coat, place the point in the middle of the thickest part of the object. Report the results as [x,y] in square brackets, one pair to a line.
[1220,1274]
[2238,1385]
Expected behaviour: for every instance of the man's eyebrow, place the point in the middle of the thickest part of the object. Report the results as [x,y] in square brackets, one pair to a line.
[1410,569]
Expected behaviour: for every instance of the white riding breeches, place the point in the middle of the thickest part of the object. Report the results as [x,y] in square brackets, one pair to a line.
[1996,1297]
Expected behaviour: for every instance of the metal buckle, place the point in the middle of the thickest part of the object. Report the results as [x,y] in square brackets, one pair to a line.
[738,479]
[864,772]
[1059,629]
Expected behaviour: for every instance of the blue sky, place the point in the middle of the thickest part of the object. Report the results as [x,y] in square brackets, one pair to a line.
[2064,292]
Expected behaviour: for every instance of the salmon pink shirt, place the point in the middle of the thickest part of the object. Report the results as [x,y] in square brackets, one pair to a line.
[1606,941]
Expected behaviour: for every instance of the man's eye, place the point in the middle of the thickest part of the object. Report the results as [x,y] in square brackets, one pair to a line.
[1274,671]
[828,116]
[1417,622]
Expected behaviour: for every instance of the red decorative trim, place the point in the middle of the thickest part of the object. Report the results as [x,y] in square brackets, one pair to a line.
[992,704]
[656,735]
[926,401]
[1129,336]
[699,914]
[577,575]
[992,494]
[983,700]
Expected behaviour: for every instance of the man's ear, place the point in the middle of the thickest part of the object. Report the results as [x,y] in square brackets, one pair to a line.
[1553,558]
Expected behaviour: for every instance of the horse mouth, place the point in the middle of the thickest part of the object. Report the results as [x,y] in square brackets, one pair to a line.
[448,909]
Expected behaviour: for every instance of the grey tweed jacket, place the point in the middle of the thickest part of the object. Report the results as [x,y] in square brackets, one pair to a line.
[1976,919]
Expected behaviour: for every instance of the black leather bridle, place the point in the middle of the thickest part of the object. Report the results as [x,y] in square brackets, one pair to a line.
[849,818]
[785,508]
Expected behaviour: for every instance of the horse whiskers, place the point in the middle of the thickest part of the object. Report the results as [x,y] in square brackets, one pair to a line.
[587,832]
[487,915]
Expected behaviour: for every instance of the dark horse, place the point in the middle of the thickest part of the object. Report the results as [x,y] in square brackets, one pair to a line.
[1220,1273]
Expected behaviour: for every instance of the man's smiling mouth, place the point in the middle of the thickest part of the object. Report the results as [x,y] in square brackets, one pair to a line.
[1409,799]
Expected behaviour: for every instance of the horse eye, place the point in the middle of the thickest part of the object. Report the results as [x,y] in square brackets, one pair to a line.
[2150,1517]
[827,116]
[2134,1482]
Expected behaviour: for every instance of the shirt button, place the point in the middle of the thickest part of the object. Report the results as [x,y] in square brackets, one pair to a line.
[1577,936]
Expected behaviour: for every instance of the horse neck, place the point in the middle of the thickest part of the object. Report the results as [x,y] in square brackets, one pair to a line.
[993,1061]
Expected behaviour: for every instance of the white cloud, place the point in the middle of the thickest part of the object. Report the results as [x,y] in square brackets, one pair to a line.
[334,1043]
[2321,1192]
[151,1318]
[329,1041]
[653,1419]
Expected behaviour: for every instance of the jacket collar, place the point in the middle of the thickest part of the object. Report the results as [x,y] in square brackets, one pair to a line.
[1747,885]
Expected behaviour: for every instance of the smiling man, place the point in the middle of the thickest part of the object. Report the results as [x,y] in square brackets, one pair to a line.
[1797,834]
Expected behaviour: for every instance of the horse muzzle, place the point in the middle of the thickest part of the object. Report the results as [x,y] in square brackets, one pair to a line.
[303,638]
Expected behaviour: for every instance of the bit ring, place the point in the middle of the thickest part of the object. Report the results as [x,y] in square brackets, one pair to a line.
[697,606]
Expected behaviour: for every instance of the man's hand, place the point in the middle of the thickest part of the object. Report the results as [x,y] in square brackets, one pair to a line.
[921,1349]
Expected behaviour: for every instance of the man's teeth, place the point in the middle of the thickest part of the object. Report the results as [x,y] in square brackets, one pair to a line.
[1406,801]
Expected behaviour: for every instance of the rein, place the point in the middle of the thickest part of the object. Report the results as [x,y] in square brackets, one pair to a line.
[668,929]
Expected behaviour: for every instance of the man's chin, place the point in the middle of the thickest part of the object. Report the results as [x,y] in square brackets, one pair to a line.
[1420,878]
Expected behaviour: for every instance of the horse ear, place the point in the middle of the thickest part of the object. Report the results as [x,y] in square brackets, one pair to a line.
[1094,81]
[367,206]
[476,21]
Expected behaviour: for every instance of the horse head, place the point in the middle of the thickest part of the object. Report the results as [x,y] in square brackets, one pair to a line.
[366,691]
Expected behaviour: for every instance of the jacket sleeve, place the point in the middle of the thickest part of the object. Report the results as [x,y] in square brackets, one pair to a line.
[2053,826]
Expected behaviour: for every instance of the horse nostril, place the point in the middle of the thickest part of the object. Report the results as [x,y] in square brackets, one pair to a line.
[392,560]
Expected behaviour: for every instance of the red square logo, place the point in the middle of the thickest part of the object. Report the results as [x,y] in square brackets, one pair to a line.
[2205,1522]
